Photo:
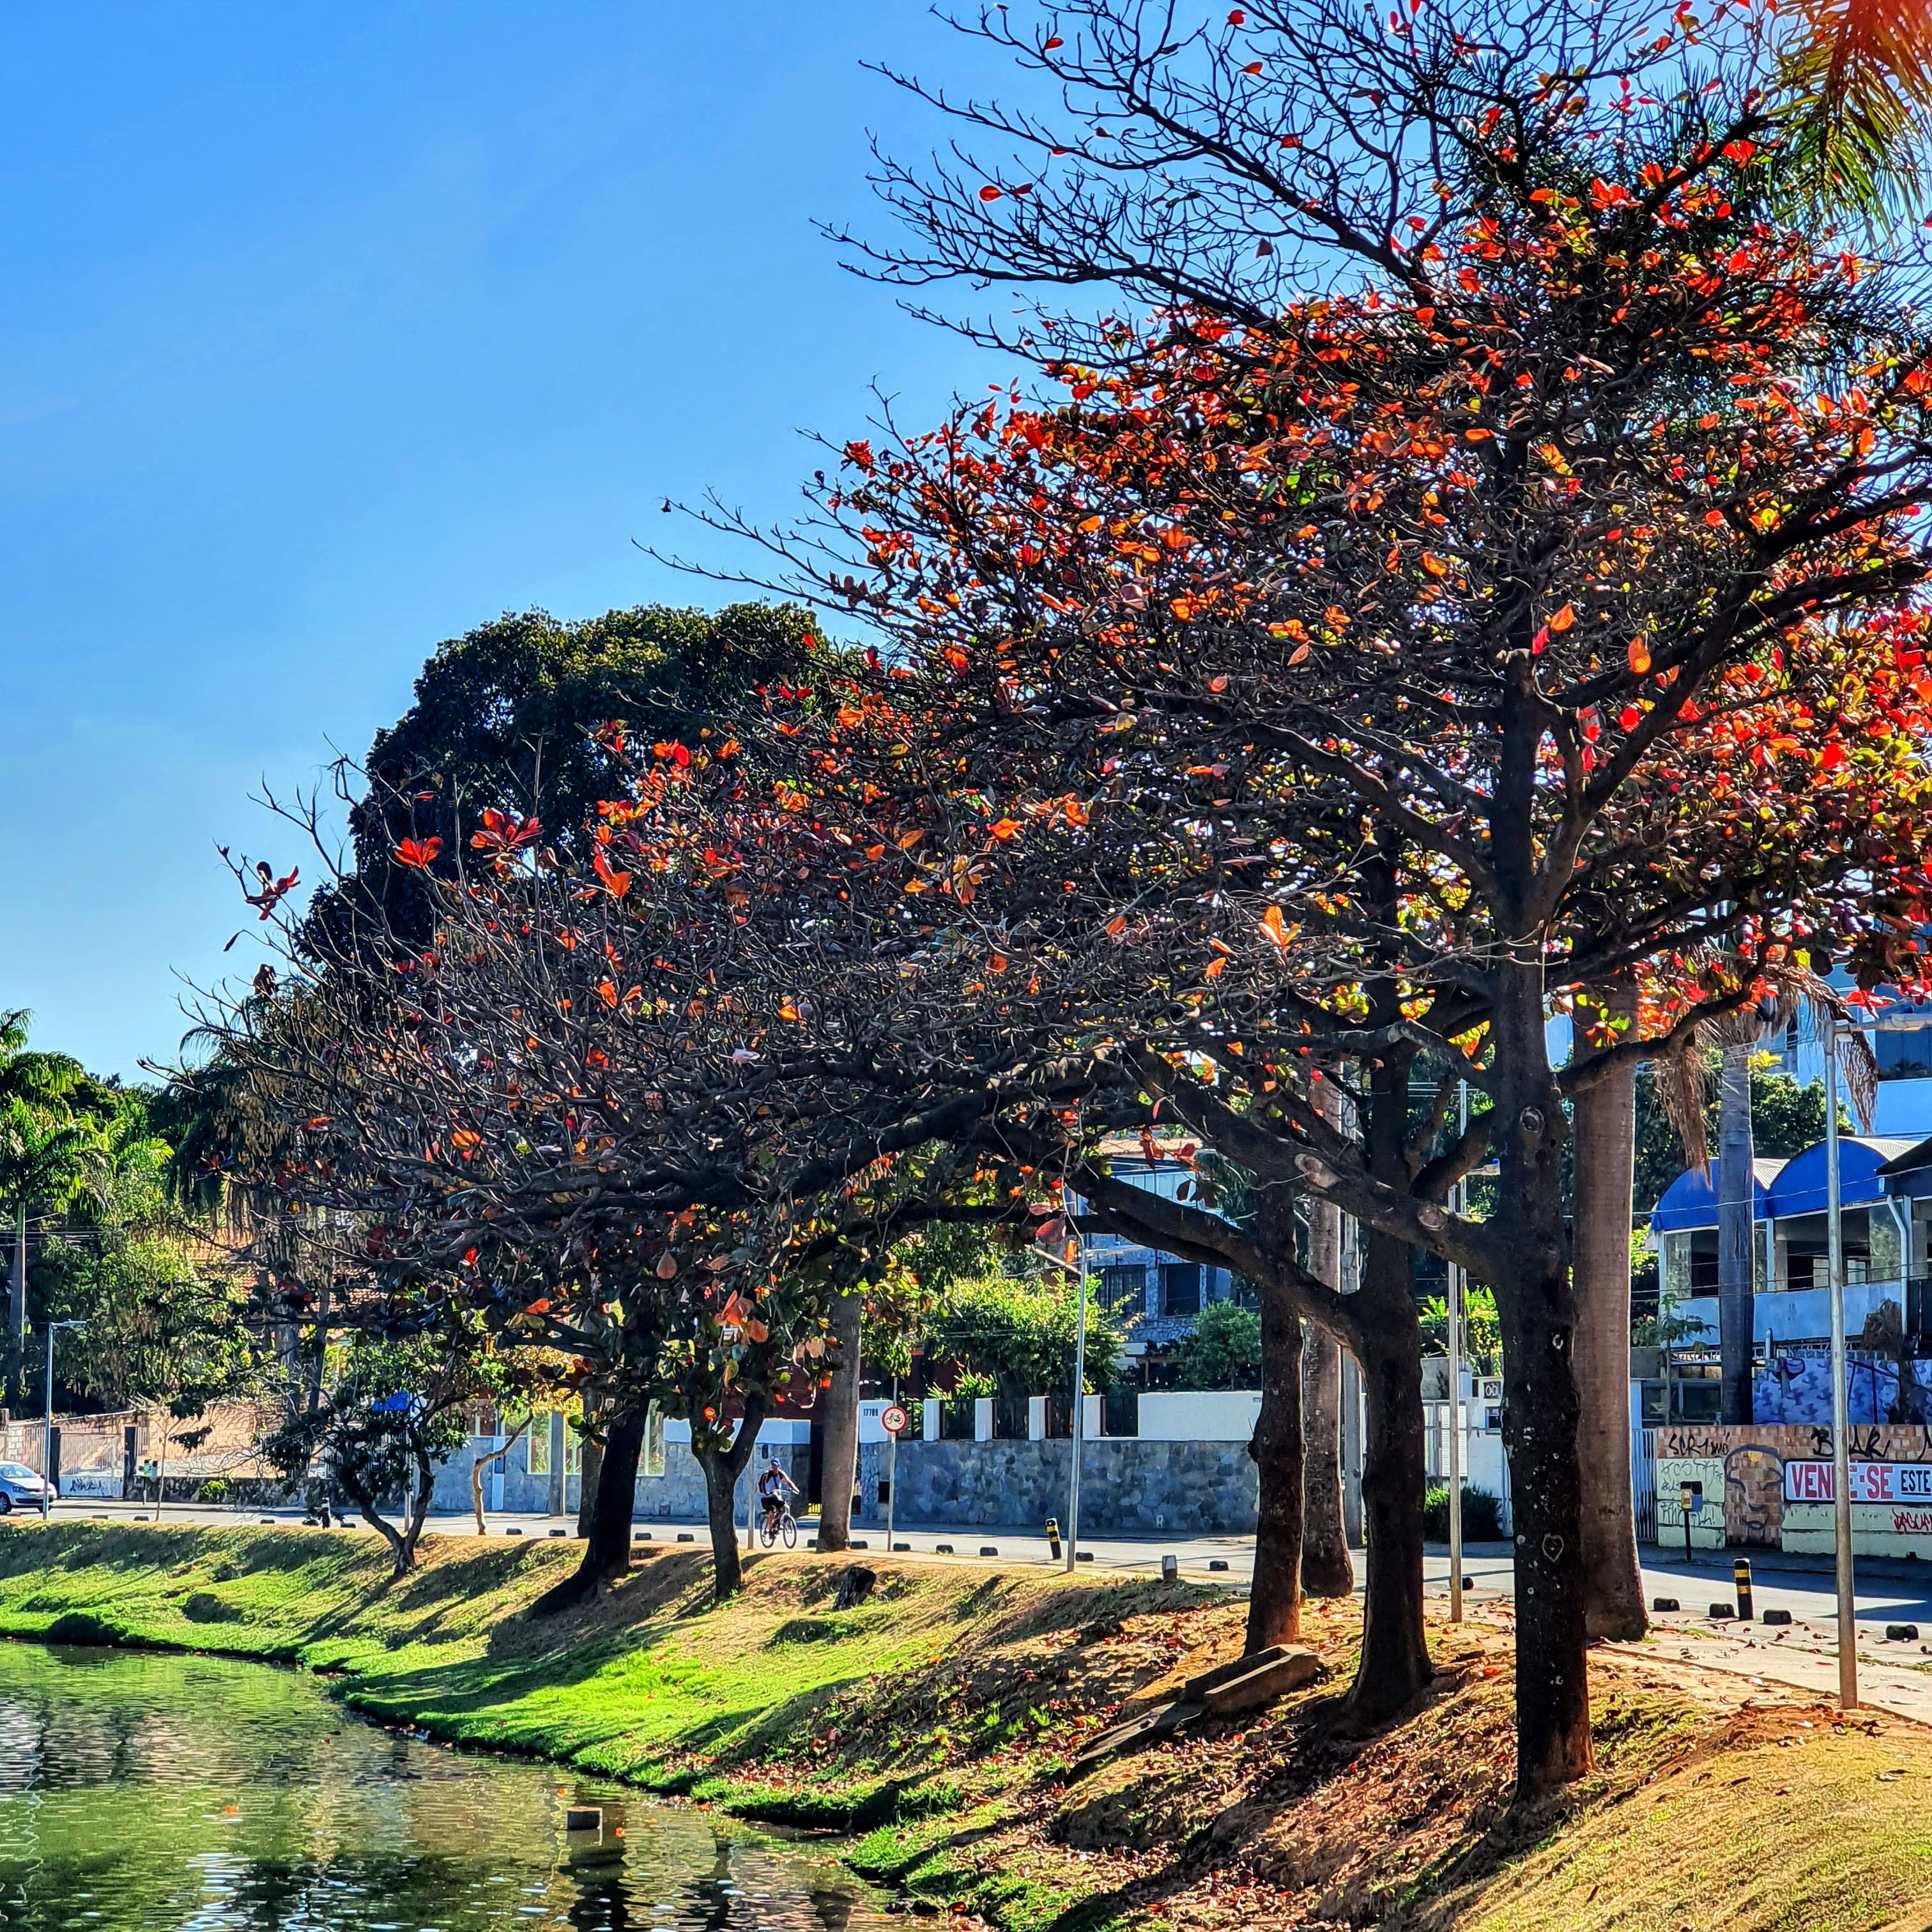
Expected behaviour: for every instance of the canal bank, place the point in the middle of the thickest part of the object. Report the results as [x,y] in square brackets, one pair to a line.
[936,1712]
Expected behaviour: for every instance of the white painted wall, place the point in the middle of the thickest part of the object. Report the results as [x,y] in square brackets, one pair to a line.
[783,1430]
[1199,1415]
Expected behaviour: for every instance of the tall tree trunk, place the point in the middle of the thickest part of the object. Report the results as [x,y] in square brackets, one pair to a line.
[1326,1571]
[1736,1258]
[591,1464]
[722,1468]
[1394,1665]
[1604,1116]
[607,1544]
[1538,1319]
[839,1466]
[1274,1597]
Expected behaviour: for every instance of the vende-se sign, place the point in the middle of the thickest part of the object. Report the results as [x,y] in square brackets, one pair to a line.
[1871,1483]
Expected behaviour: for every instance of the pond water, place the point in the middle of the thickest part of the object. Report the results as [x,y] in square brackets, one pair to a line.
[195,1794]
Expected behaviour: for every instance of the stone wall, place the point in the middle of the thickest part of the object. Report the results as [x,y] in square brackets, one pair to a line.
[1128,1487]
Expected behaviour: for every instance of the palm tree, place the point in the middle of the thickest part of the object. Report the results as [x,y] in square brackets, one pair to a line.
[44,1162]
[40,1077]
[1858,79]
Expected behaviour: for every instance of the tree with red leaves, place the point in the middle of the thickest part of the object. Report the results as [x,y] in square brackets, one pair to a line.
[1372,671]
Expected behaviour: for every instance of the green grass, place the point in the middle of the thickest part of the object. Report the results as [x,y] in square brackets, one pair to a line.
[935,1721]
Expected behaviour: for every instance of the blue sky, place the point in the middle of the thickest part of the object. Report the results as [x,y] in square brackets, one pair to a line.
[327,332]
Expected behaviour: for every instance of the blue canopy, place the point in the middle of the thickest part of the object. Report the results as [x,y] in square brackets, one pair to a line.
[1799,1188]
[1690,1201]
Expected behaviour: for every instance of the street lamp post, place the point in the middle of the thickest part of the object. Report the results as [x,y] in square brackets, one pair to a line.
[47,1420]
[1841,1446]
[1079,1273]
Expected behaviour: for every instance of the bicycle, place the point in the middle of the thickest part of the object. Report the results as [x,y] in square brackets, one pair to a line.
[784,1524]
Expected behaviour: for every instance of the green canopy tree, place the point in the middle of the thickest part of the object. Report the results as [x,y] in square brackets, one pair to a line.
[506,718]
[44,1161]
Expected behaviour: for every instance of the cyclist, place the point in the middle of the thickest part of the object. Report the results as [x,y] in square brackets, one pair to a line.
[772,1485]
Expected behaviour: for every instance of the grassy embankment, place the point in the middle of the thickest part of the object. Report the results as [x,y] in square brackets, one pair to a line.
[936,1718]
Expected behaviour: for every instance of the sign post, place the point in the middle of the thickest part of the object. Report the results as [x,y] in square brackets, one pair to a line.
[893,1420]
[1690,1501]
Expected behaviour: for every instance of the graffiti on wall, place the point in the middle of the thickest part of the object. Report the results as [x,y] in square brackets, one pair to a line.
[1770,1485]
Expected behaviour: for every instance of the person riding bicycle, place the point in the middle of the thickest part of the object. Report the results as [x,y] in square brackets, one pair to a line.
[772,1486]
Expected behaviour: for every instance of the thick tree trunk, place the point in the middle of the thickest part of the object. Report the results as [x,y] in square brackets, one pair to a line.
[1605,1125]
[1394,1665]
[1326,1571]
[592,1463]
[722,1468]
[1274,1597]
[402,1547]
[1736,1256]
[606,1546]
[840,1464]
[1541,1405]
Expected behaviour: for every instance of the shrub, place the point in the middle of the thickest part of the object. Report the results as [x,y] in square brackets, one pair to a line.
[1224,1350]
[1482,1515]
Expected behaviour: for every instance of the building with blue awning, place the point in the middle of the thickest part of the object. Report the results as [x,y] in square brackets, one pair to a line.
[1788,1213]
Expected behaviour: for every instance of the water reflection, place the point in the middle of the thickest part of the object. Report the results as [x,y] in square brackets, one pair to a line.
[192,1794]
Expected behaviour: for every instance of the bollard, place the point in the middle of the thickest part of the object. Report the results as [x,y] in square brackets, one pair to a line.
[1170,1568]
[1740,1573]
[1053,1537]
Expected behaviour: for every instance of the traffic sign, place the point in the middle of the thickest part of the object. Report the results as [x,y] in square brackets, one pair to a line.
[894,1419]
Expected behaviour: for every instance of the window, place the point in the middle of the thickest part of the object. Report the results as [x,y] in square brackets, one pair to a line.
[573,1447]
[536,1445]
[1180,1288]
[651,1461]
[1123,1287]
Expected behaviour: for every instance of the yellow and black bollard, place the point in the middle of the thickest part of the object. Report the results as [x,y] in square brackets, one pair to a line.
[1741,1570]
[1053,1536]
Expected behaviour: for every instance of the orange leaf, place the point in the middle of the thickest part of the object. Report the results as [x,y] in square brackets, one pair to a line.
[1563,619]
[1274,927]
[1639,656]
[607,992]
[1116,925]
[1215,968]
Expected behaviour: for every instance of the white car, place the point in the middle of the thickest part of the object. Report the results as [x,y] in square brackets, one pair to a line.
[20,1488]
